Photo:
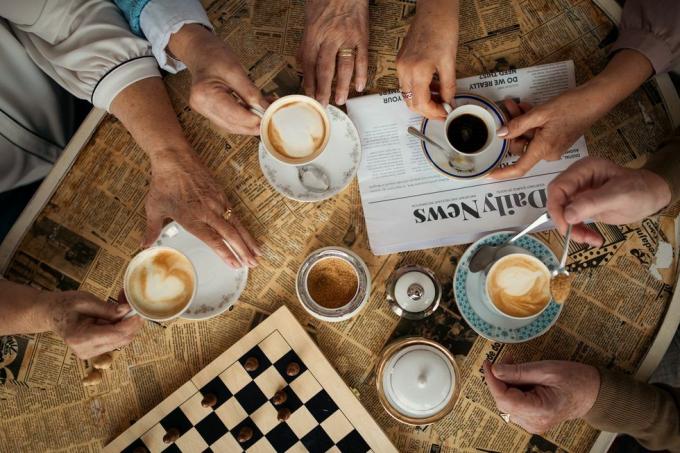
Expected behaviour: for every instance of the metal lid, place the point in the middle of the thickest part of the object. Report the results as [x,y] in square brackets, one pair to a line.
[413,292]
[417,381]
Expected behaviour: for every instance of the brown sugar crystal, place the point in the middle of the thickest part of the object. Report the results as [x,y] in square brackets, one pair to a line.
[332,282]
[560,287]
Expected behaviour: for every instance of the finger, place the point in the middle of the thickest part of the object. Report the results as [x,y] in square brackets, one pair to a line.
[112,336]
[591,204]
[89,305]
[518,146]
[309,56]
[447,82]
[220,107]
[512,107]
[521,124]
[422,97]
[343,78]
[525,107]
[247,237]
[584,235]
[154,224]
[525,163]
[213,240]
[233,239]
[532,373]
[496,387]
[247,90]
[325,69]
[361,65]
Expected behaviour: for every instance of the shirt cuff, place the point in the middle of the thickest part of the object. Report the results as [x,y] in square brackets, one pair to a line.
[120,77]
[648,44]
[161,19]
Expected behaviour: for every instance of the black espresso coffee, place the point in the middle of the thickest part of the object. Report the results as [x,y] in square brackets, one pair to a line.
[467,133]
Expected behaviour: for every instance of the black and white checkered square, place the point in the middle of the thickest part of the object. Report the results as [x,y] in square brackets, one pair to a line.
[245,399]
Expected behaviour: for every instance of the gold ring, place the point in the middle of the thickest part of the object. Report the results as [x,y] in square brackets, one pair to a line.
[346,52]
[227,214]
[524,148]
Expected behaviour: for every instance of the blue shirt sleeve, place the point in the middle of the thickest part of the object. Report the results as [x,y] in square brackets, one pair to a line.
[132,10]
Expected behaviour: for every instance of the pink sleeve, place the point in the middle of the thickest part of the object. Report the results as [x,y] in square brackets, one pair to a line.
[653,29]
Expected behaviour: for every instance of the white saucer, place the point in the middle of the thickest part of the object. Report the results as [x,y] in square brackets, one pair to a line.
[219,286]
[483,163]
[473,304]
[340,160]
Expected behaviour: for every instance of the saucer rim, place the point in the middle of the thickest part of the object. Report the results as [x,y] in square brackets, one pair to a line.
[504,148]
[465,256]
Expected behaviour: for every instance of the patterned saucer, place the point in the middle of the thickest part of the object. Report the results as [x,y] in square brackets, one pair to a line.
[340,160]
[219,286]
[469,293]
[483,163]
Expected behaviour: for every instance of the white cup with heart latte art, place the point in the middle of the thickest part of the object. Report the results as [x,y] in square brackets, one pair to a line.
[295,129]
[160,283]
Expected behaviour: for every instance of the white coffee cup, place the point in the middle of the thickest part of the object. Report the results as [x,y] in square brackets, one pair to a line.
[528,273]
[171,278]
[477,111]
[298,135]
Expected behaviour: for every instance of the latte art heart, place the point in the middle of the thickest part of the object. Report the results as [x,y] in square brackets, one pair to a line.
[519,285]
[161,284]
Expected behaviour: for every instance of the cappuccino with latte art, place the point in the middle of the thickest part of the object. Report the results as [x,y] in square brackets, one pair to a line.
[160,283]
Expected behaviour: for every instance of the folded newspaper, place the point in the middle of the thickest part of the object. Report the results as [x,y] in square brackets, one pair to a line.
[408,205]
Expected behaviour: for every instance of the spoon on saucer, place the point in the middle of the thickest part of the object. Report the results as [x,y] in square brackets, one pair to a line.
[487,253]
[560,281]
[314,178]
[416,133]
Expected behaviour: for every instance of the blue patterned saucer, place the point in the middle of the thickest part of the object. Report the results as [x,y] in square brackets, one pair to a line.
[469,290]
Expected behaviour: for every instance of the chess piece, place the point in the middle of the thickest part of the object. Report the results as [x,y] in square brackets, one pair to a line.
[293,369]
[209,400]
[245,434]
[284,414]
[280,397]
[251,364]
[171,436]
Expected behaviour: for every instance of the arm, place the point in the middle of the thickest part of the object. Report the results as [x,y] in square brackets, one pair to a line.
[430,47]
[555,126]
[649,413]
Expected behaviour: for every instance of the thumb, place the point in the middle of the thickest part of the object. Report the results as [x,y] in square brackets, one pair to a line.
[591,203]
[89,305]
[522,373]
[520,125]
[154,224]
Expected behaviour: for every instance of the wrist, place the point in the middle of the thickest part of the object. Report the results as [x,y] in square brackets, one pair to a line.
[190,36]
[164,158]
[43,314]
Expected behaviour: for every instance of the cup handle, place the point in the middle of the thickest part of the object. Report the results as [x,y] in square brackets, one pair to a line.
[447,107]
[257,111]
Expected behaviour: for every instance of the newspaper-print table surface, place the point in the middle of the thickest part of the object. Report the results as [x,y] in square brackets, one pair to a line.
[92,224]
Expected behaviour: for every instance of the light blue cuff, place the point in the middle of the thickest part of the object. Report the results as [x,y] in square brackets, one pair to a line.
[132,10]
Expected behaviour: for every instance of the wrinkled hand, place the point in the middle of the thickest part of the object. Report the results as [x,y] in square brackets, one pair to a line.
[182,189]
[430,47]
[215,75]
[553,128]
[599,189]
[331,25]
[89,326]
[540,395]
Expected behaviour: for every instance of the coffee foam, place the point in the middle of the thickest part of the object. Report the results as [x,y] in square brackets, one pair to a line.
[161,284]
[297,130]
[519,285]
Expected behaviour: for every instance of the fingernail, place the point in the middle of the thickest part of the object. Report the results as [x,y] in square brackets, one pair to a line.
[570,214]
[502,132]
[340,100]
[360,87]
[122,309]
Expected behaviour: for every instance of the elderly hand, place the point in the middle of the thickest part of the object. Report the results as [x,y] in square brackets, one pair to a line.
[182,189]
[540,395]
[601,190]
[216,75]
[89,326]
[430,47]
[332,26]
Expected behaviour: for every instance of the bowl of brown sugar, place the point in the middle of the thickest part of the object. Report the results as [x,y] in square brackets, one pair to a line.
[333,284]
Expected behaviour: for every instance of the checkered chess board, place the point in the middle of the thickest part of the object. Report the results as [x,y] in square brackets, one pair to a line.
[324,414]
